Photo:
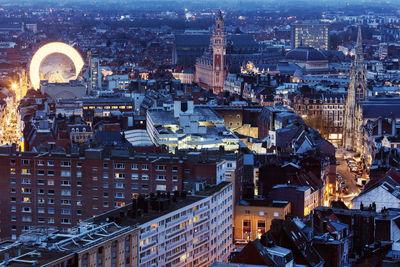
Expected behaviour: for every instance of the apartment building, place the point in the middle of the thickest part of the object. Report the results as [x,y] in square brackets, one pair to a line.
[59,190]
[163,230]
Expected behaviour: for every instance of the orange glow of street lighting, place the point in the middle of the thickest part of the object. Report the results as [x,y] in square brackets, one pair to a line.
[14,86]
[48,49]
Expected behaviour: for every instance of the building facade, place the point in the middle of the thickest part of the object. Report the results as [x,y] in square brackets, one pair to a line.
[60,190]
[310,34]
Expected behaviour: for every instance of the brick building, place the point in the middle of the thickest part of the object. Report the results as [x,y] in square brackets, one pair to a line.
[59,190]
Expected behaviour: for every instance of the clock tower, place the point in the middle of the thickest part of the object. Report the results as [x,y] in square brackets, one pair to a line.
[218,43]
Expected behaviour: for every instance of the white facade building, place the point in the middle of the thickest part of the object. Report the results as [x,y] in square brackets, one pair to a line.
[195,235]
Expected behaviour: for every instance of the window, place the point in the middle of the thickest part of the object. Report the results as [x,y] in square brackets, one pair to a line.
[247,212]
[119,166]
[161,178]
[160,168]
[79,174]
[50,173]
[79,164]
[40,172]
[105,175]
[276,214]
[66,192]
[12,162]
[26,181]
[25,190]
[119,185]
[135,166]
[26,209]
[105,204]
[119,175]
[40,191]
[41,200]
[50,192]
[26,162]
[105,185]
[66,211]
[51,220]
[145,167]
[135,187]
[50,201]
[26,218]
[26,200]
[50,210]
[134,176]
[65,183]
[65,164]
[161,187]
[65,202]
[26,171]
[50,182]
[12,170]
[119,195]
[145,187]
[50,163]
[65,173]
[145,177]
[65,221]
[79,184]
[13,199]
[105,165]
[13,181]
[174,168]
[41,210]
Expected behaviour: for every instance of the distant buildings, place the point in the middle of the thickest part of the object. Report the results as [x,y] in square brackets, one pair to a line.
[313,34]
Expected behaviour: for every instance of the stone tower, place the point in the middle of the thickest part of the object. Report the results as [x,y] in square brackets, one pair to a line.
[357,92]
[218,44]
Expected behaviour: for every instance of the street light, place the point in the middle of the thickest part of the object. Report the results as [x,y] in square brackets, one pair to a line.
[14,86]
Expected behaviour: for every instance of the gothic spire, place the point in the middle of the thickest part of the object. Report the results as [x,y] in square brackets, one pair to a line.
[359,50]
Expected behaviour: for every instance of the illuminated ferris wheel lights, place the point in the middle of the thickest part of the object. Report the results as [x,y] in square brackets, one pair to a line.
[48,49]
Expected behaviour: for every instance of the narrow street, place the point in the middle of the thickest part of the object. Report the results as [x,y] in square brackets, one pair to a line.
[349,179]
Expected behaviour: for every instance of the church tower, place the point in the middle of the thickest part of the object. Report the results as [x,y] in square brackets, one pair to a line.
[356,93]
[218,44]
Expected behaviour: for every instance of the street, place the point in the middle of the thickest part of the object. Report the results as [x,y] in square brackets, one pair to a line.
[348,177]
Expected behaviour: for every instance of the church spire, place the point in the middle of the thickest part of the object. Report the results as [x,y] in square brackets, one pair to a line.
[359,49]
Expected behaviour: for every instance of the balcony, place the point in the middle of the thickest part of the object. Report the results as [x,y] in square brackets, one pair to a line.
[149,245]
[175,222]
[174,233]
[175,254]
[201,242]
[200,253]
[200,221]
[202,231]
[200,211]
[149,233]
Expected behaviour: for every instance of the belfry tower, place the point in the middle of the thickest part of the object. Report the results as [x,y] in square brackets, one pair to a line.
[218,44]
[356,93]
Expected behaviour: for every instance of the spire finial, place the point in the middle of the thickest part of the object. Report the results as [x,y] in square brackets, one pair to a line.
[359,37]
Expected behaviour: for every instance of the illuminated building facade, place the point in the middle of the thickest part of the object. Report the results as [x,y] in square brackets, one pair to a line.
[253,217]
[189,127]
[313,34]
[94,72]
